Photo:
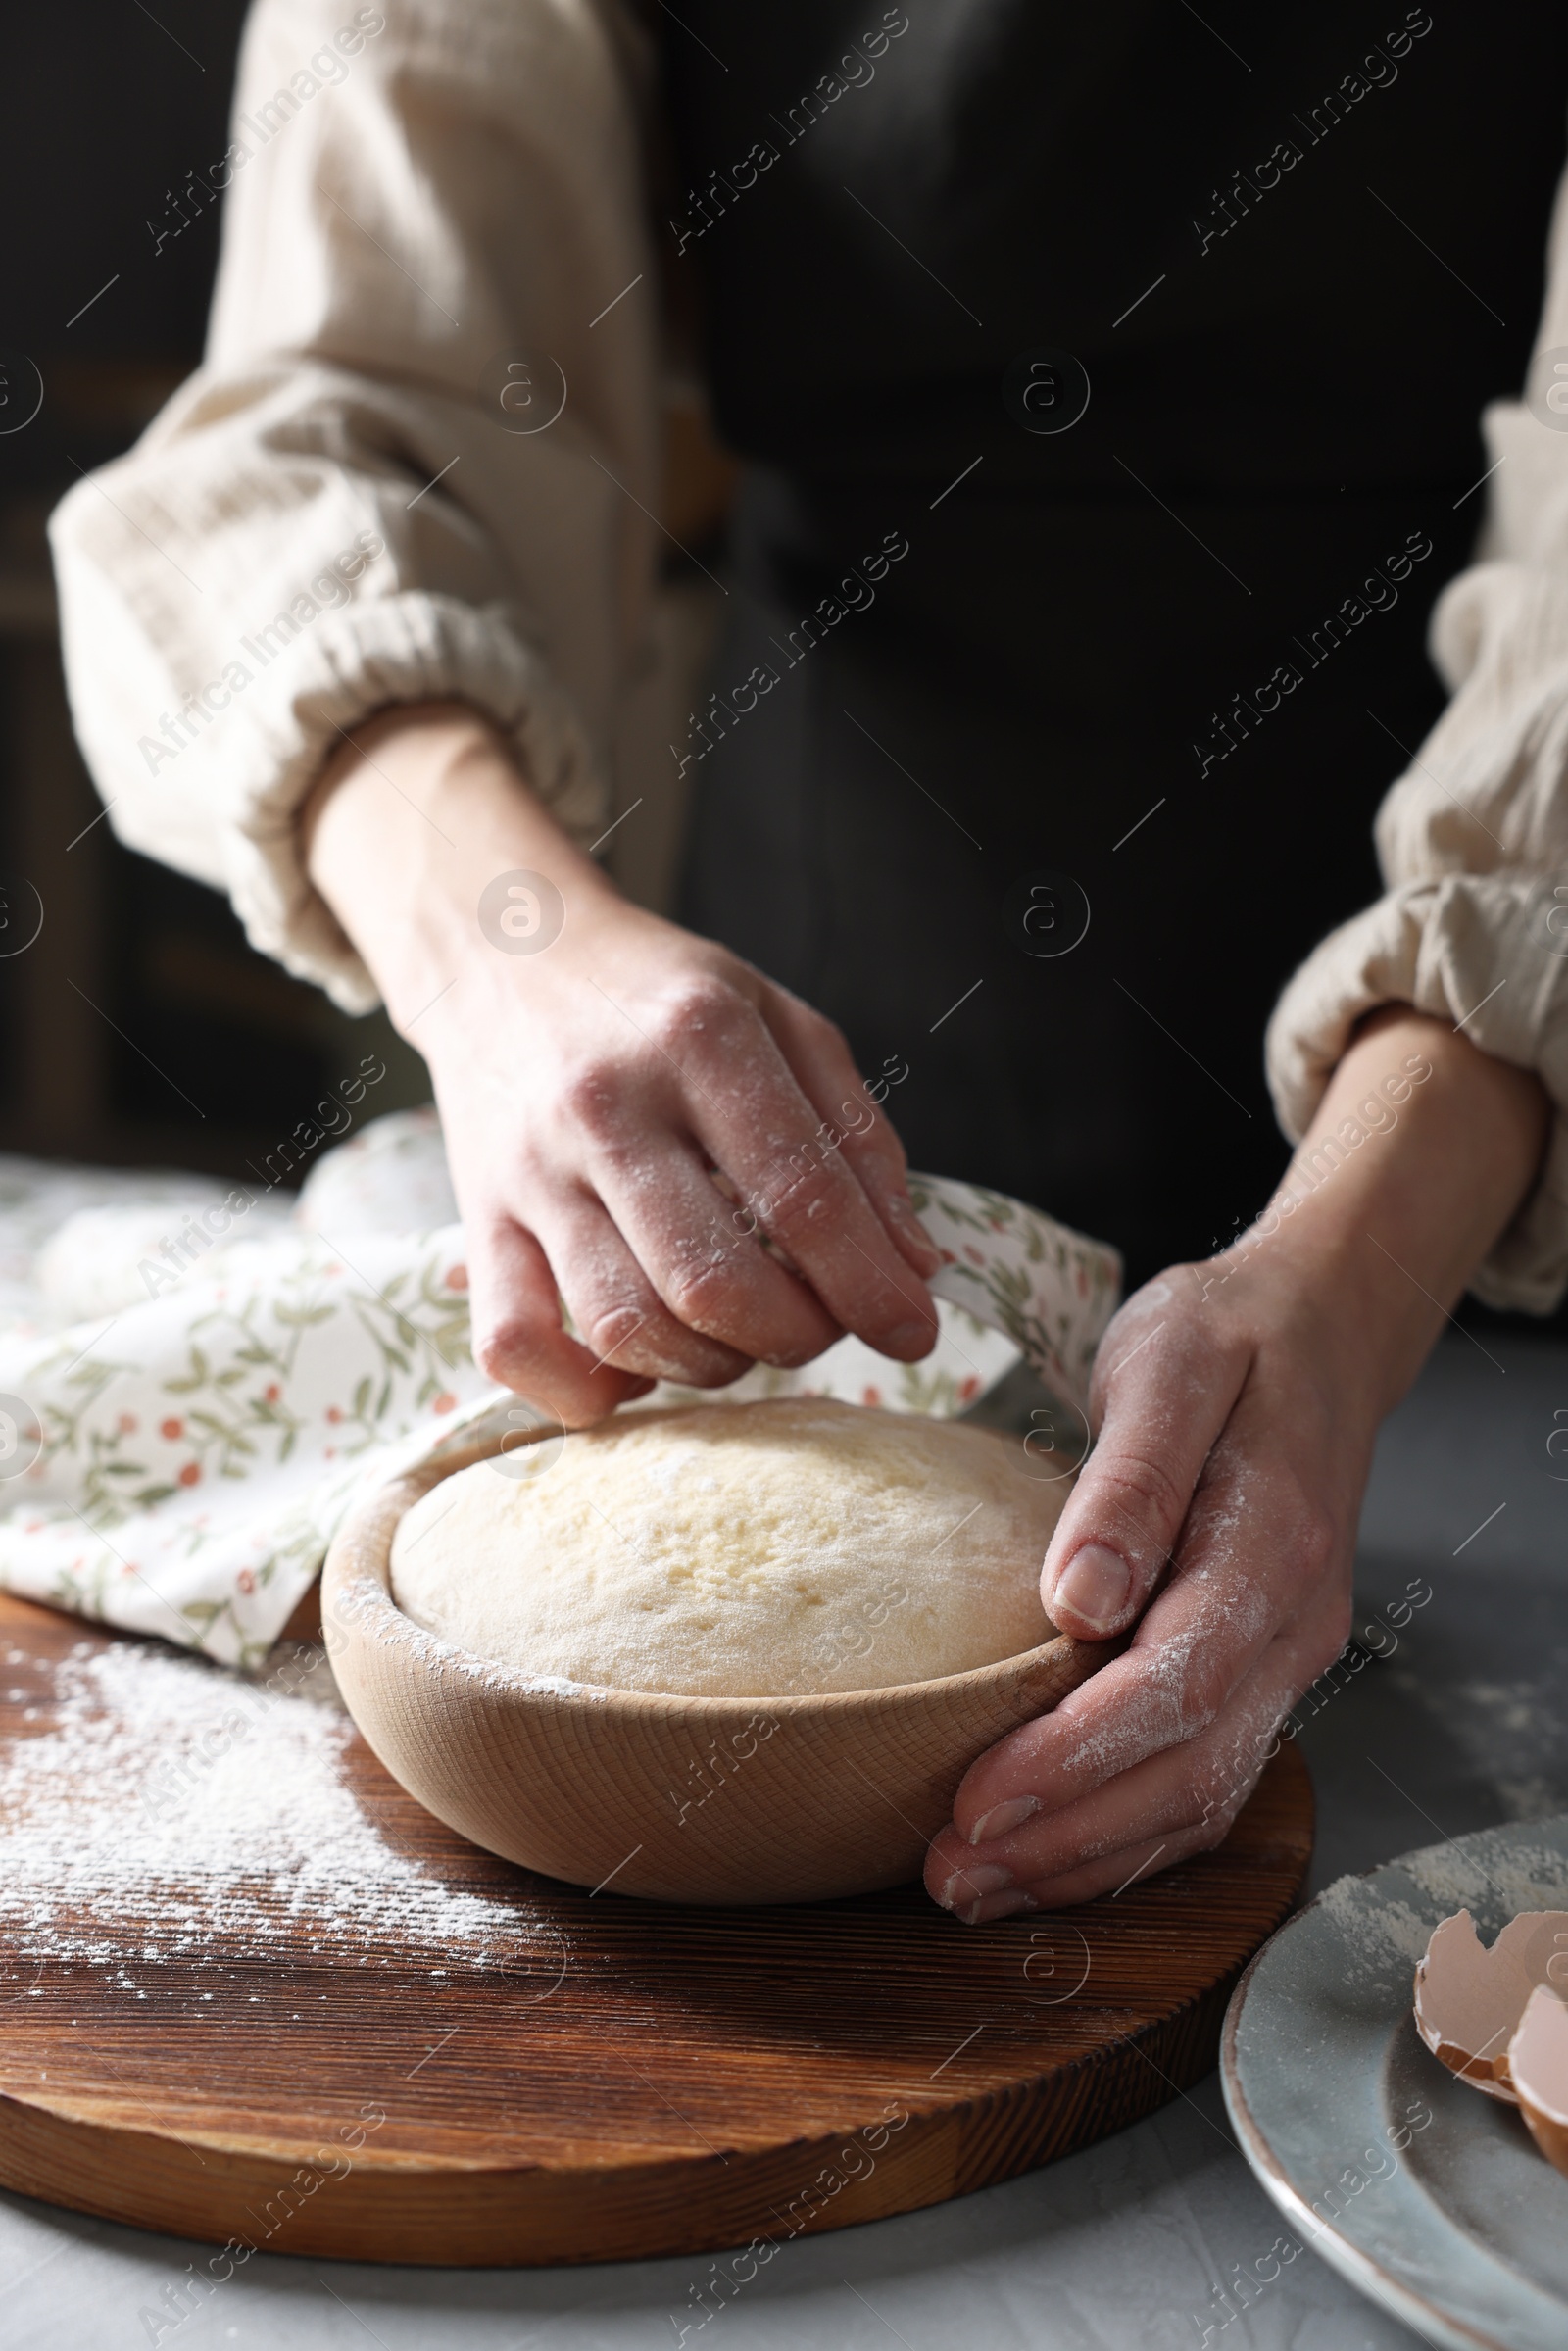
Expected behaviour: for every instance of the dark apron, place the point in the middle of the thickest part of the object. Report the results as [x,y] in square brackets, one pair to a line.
[1154,669]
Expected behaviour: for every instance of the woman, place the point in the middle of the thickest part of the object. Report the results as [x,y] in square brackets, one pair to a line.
[1098,462]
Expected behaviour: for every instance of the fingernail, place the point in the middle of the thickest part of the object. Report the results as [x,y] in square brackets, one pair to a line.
[1002,1819]
[901,1210]
[1095,1584]
[1005,1906]
[1002,1907]
[973,1885]
[909,1335]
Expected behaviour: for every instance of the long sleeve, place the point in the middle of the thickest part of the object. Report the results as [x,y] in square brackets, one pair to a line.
[1473,841]
[434,235]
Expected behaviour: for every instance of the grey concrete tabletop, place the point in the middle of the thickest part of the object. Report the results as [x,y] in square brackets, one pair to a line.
[1122,2245]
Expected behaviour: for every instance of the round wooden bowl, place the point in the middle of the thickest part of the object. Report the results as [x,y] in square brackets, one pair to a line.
[681,1800]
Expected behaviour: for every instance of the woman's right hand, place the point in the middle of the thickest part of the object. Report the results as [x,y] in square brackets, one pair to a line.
[587,1092]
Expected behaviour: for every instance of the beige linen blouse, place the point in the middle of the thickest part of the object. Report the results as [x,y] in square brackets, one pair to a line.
[339,510]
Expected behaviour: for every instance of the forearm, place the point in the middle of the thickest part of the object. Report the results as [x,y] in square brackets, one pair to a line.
[1421,1151]
[407,826]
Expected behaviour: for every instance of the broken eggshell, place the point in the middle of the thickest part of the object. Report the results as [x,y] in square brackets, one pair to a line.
[1469,2000]
[1538,2062]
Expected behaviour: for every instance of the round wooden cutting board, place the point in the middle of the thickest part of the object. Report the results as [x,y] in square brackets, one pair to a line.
[251,1993]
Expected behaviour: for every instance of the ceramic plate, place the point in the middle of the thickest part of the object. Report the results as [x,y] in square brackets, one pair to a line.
[1431,2198]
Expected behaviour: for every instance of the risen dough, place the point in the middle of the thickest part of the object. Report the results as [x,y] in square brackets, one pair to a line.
[739,1551]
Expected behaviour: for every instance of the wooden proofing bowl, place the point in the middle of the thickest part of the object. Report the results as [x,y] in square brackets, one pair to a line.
[682,1799]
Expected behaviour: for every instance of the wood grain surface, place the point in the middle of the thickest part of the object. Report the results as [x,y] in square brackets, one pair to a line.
[635,2080]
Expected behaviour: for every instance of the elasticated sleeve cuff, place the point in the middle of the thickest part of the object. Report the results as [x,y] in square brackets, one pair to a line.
[1488,953]
[412,648]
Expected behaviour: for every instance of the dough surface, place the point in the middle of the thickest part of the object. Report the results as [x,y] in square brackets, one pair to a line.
[739,1551]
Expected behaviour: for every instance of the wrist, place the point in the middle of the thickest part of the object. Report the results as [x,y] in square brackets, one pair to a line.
[1363,1313]
[417,817]
[1420,1154]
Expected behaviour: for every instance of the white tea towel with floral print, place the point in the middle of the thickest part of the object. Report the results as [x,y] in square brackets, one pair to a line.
[196,1386]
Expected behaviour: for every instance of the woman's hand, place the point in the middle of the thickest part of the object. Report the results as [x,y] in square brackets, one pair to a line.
[588,1090]
[1236,1406]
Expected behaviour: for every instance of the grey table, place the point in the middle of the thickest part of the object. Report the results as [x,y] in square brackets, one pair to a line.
[1123,2245]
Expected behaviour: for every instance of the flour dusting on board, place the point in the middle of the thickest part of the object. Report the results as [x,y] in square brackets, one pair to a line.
[170,1811]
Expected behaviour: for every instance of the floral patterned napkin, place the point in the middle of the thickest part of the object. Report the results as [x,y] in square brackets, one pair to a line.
[192,1396]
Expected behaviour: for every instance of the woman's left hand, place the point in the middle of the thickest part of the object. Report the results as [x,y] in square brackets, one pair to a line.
[1236,1404]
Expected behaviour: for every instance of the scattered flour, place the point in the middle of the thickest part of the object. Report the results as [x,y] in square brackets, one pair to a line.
[172,1811]
[1374,1928]
[1497,1877]
[1486,1873]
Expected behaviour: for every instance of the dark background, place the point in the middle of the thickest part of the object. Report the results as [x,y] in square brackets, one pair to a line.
[139,1028]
